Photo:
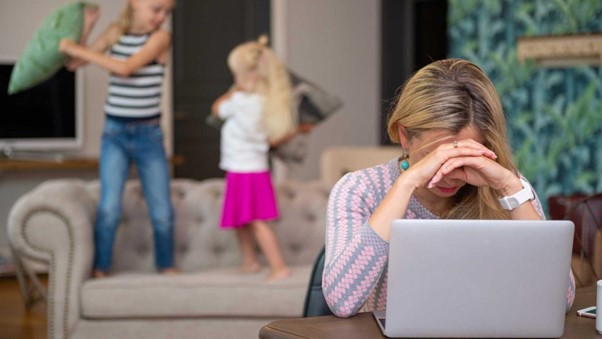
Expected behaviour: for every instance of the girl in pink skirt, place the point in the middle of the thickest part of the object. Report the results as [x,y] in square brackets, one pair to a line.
[257,114]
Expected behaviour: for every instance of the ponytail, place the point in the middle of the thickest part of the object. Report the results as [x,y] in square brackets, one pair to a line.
[273,82]
[278,116]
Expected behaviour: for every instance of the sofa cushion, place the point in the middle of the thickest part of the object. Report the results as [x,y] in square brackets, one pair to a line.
[218,292]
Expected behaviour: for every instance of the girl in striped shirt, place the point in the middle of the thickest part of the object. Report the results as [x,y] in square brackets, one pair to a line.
[138,49]
[455,163]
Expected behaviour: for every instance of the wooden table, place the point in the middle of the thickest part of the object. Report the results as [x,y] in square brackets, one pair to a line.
[364,326]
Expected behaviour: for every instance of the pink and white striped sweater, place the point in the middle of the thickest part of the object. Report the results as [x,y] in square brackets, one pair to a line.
[355,275]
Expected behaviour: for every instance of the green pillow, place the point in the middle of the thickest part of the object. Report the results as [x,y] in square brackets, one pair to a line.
[41,58]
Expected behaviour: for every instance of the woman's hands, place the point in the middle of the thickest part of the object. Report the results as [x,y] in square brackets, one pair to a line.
[468,161]
[465,160]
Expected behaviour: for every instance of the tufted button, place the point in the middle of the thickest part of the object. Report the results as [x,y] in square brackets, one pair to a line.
[142,250]
[290,194]
[295,248]
[311,216]
[200,219]
[218,250]
[183,248]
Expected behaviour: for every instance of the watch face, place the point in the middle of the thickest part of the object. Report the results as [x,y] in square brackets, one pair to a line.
[513,202]
[518,198]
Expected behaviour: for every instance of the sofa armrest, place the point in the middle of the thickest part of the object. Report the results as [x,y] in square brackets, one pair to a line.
[54,223]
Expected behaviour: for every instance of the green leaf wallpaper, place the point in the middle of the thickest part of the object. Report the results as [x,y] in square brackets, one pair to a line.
[554,114]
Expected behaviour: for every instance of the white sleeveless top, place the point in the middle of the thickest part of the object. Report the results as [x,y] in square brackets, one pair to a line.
[138,95]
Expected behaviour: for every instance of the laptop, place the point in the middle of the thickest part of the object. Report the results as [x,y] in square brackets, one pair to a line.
[477,278]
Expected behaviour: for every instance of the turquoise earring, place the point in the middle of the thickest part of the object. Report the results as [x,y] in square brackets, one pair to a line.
[404,164]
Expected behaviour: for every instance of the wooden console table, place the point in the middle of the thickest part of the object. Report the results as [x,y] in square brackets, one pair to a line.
[61,164]
[20,165]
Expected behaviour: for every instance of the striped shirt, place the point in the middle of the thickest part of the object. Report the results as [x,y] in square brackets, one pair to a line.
[355,274]
[136,96]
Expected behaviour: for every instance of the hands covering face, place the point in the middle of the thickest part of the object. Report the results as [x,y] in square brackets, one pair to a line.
[470,162]
[455,163]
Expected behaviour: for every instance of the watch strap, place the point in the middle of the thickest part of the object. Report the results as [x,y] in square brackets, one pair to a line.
[511,202]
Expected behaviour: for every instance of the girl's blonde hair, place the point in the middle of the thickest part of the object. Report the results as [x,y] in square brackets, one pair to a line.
[265,74]
[125,18]
[450,95]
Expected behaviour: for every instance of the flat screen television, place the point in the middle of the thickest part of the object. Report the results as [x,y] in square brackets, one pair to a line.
[47,117]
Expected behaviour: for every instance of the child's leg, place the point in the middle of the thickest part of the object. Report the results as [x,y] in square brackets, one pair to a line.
[266,238]
[113,168]
[250,264]
[151,163]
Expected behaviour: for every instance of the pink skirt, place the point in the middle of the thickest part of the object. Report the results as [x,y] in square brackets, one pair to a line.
[248,197]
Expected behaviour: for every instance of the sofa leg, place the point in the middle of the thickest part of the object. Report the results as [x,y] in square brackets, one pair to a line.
[32,289]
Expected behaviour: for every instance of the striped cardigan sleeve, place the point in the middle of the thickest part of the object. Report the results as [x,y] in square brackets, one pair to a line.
[355,255]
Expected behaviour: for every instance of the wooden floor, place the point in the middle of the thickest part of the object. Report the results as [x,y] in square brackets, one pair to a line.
[15,322]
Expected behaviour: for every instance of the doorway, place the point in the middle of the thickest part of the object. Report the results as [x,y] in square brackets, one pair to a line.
[204,32]
[414,34]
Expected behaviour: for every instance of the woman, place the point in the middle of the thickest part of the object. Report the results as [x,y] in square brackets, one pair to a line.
[455,163]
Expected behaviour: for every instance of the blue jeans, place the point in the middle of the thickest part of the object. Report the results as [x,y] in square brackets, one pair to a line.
[141,143]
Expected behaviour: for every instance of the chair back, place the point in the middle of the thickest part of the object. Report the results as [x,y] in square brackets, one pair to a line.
[315,303]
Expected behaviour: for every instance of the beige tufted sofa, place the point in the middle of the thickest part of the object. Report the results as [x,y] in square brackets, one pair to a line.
[209,299]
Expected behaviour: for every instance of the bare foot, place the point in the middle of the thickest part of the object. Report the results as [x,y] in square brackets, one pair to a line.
[99,274]
[169,271]
[249,268]
[279,274]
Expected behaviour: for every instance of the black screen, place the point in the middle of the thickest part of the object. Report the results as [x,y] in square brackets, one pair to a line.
[47,110]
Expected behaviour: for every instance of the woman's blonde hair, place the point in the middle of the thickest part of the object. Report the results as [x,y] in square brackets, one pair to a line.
[450,95]
[254,60]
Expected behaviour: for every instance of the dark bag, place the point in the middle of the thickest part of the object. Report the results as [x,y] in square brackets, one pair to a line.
[586,213]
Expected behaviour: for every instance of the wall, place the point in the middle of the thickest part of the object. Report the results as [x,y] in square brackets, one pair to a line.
[554,114]
[335,44]
[18,21]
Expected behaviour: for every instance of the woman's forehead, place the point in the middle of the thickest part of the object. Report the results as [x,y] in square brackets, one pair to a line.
[432,139]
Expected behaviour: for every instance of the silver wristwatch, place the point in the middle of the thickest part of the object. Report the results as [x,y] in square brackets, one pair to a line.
[511,202]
